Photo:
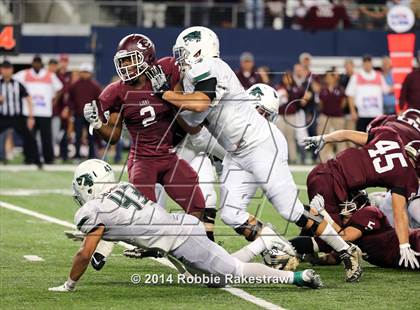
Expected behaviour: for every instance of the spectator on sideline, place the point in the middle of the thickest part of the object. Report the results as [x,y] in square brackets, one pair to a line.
[305,60]
[265,75]
[61,110]
[410,91]
[246,74]
[331,118]
[365,94]
[254,16]
[12,96]
[289,121]
[389,98]
[154,12]
[85,90]
[42,86]
[350,123]
[53,65]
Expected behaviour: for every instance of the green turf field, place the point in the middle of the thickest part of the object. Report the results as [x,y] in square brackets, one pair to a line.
[24,284]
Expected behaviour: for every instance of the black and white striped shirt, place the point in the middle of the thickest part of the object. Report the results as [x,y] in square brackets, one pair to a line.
[12,93]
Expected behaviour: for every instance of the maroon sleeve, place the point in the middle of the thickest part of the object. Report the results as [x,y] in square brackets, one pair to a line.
[70,98]
[366,219]
[403,94]
[109,98]
[378,121]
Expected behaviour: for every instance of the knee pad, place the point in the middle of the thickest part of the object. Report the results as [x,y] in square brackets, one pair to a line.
[250,231]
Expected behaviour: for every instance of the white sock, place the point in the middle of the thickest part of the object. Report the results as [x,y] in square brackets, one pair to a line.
[260,270]
[330,236]
[248,252]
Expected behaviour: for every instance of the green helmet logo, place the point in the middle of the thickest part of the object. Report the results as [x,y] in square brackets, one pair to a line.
[85,180]
[257,92]
[192,36]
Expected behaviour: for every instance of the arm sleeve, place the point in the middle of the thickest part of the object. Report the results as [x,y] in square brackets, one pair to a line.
[109,100]
[403,94]
[351,87]
[208,87]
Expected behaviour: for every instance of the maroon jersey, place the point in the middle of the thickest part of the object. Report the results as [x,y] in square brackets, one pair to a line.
[379,240]
[382,162]
[148,118]
[408,128]
[331,101]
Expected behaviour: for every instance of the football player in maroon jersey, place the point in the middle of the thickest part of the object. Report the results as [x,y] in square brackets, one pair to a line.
[149,120]
[367,227]
[381,161]
[407,124]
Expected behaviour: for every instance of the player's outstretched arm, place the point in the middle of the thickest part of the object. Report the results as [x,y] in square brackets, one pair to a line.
[357,137]
[196,101]
[408,256]
[111,131]
[81,260]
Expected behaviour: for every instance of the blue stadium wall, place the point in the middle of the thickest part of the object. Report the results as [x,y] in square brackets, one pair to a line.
[277,49]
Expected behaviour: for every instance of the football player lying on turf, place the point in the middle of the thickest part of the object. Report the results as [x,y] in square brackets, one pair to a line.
[381,161]
[119,212]
[211,95]
[368,227]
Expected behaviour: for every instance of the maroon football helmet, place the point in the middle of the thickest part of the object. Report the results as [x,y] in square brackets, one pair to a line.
[135,53]
[413,150]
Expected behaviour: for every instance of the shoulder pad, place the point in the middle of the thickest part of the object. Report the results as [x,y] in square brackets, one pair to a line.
[200,72]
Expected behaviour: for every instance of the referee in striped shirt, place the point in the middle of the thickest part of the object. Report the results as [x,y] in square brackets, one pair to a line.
[12,114]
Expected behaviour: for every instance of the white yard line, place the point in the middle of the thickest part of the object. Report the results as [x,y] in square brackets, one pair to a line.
[234,291]
[70,168]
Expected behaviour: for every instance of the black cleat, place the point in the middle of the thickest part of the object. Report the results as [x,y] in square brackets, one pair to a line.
[352,260]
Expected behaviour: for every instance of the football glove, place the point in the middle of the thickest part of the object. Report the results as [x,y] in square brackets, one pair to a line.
[408,256]
[90,111]
[68,286]
[158,79]
[315,143]
[318,203]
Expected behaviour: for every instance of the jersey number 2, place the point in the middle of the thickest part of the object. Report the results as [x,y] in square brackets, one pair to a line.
[147,121]
[382,147]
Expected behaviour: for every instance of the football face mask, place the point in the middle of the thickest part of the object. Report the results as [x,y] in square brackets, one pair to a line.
[129,65]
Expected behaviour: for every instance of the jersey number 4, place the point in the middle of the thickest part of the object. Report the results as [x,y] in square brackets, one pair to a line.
[147,121]
[382,148]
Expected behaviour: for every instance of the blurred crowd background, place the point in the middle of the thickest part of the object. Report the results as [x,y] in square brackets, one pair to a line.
[280,14]
[41,102]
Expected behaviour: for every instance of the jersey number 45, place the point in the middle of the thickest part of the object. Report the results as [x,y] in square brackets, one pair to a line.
[382,153]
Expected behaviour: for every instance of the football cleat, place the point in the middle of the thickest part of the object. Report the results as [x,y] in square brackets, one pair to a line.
[277,259]
[272,240]
[307,278]
[143,253]
[352,260]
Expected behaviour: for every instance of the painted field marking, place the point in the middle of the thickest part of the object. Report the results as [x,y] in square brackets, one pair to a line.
[234,291]
[33,258]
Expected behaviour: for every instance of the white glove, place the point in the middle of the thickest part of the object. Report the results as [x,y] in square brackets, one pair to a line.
[408,256]
[68,286]
[158,79]
[90,111]
[315,143]
[318,203]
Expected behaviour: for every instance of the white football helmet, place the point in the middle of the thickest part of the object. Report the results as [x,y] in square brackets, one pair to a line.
[266,100]
[195,44]
[91,178]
